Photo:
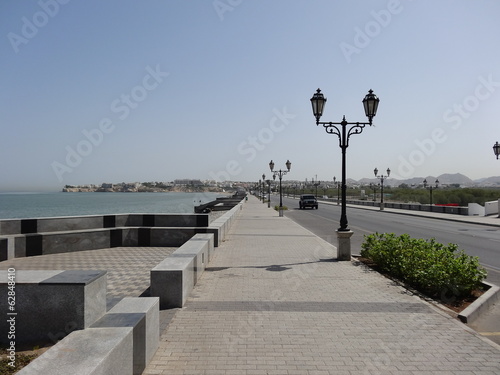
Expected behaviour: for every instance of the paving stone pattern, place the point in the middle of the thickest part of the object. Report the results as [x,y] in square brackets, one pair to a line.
[273,301]
[128,267]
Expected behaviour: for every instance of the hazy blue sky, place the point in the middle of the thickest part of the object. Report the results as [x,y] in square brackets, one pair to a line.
[111,91]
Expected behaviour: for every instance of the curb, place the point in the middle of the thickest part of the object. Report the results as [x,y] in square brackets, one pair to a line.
[475,309]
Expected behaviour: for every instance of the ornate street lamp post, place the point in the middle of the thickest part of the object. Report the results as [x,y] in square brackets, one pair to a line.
[263,188]
[381,178]
[316,183]
[280,174]
[496,149]
[374,188]
[430,189]
[370,104]
[268,193]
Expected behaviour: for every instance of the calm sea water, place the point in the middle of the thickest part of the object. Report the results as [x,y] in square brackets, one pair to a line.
[29,205]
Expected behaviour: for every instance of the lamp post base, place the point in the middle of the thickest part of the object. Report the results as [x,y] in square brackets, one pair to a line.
[381,206]
[344,245]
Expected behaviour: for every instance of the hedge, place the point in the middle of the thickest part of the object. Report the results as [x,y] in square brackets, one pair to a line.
[430,267]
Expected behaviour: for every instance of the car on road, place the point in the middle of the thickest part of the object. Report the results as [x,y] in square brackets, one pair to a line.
[308,200]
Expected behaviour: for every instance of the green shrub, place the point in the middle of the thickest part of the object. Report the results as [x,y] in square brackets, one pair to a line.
[431,267]
[277,208]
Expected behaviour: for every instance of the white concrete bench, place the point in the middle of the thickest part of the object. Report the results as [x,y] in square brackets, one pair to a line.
[93,351]
[173,279]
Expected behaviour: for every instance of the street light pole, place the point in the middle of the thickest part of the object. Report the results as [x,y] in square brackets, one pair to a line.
[268,193]
[381,177]
[263,188]
[430,189]
[316,183]
[280,174]
[370,104]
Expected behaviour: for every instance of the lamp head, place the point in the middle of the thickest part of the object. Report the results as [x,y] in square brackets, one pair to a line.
[318,104]
[496,149]
[370,103]
[271,165]
[288,165]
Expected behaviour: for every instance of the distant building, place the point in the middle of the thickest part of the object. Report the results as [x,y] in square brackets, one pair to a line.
[188,182]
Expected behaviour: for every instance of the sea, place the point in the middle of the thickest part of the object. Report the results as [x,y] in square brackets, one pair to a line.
[37,205]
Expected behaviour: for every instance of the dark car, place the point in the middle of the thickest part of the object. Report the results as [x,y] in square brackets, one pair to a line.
[308,200]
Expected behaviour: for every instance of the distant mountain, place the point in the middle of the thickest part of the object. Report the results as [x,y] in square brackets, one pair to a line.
[444,179]
[490,181]
[457,178]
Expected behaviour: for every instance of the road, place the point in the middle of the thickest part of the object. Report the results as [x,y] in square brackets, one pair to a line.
[482,241]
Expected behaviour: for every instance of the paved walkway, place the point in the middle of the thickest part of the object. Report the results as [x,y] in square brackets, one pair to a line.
[274,301]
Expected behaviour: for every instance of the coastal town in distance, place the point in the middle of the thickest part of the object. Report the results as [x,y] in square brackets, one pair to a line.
[180,185]
[456,180]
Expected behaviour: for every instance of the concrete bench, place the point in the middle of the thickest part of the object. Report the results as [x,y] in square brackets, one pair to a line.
[51,304]
[143,315]
[224,223]
[93,351]
[173,279]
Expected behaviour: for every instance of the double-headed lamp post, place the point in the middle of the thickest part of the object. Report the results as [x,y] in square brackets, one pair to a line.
[370,104]
[496,149]
[431,188]
[280,174]
[381,178]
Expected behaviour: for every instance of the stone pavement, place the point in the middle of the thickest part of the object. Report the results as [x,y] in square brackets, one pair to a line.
[274,301]
[128,267]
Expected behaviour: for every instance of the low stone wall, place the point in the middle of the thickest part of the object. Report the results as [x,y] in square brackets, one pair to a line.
[76,223]
[414,207]
[31,237]
[4,249]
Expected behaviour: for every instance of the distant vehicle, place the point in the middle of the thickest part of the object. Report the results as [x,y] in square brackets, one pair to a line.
[308,200]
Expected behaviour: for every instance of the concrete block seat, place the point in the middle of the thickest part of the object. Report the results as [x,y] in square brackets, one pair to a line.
[173,279]
[143,315]
[51,304]
[93,351]
[122,342]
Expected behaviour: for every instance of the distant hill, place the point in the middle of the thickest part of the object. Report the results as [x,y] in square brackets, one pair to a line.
[444,179]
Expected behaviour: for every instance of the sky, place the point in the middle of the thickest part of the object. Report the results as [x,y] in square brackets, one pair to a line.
[124,91]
